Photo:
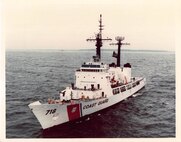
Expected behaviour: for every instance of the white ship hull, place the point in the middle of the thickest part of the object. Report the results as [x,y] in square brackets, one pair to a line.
[50,115]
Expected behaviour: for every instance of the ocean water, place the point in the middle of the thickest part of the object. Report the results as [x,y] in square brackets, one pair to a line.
[39,75]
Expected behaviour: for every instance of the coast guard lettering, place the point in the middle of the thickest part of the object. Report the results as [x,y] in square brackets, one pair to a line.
[94,104]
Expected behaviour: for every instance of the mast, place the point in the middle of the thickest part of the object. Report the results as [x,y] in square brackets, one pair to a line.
[98,39]
[118,55]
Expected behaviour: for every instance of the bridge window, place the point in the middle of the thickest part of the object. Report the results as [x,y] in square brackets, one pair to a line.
[102,94]
[137,83]
[113,91]
[116,91]
[128,86]
[134,84]
[98,86]
[91,70]
[91,66]
[123,89]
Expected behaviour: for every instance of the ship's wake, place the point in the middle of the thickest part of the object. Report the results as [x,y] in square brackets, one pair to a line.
[137,94]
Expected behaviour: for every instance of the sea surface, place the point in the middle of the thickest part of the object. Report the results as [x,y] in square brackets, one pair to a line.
[39,75]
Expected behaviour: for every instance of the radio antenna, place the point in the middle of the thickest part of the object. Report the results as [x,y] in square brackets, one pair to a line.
[98,39]
[118,55]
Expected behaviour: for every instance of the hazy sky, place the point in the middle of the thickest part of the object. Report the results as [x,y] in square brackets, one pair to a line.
[65,24]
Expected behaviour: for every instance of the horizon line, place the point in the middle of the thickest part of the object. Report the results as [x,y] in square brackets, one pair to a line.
[88,49]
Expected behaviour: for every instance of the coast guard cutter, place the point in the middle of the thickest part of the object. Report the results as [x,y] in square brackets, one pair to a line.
[97,86]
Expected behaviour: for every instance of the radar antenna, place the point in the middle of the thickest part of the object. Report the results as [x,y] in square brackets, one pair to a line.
[119,43]
[98,39]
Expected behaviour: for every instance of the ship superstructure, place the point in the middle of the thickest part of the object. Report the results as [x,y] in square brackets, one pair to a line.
[97,86]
